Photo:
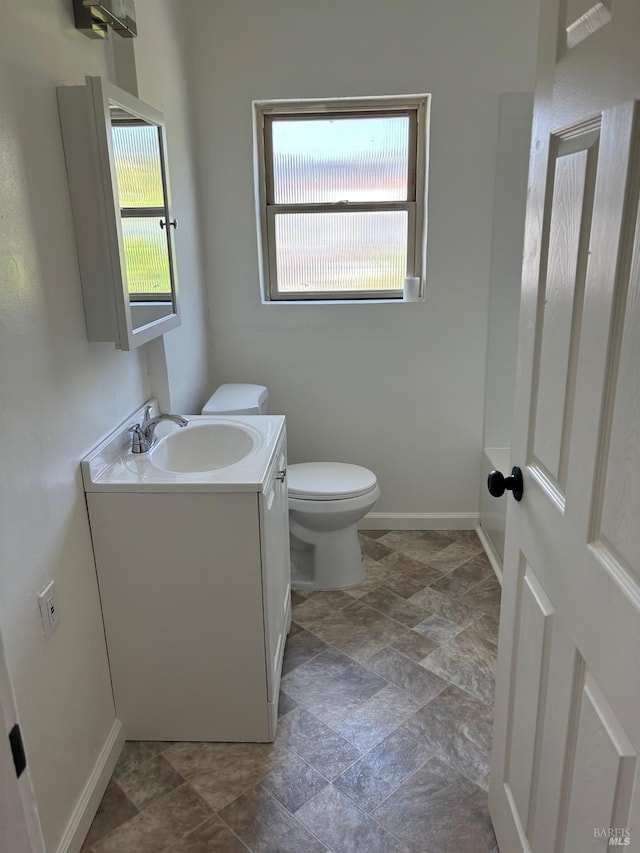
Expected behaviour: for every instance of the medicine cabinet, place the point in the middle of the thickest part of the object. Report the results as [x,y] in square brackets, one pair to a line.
[115,150]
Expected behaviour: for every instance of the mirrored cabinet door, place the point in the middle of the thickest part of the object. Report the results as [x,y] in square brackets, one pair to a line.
[116,162]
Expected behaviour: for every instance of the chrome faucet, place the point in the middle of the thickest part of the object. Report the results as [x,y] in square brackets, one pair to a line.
[144,434]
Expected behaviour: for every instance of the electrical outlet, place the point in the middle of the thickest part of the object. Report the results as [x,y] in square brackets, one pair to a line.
[48,610]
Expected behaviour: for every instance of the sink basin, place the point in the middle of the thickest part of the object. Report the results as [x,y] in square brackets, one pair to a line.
[211,454]
[204,447]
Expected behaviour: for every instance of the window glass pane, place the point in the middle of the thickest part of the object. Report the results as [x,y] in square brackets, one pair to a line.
[343,159]
[136,149]
[336,252]
[146,256]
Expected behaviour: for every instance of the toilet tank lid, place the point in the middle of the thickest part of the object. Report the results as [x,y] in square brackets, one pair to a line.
[326,480]
[235,398]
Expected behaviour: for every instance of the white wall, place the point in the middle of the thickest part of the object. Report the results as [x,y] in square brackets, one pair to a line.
[59,394]
[510,197]
[398,388]
[162,82]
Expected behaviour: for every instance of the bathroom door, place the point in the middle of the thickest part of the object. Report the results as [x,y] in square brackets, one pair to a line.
[565,772]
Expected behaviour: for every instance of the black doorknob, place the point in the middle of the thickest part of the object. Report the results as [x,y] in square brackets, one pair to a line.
[497,483]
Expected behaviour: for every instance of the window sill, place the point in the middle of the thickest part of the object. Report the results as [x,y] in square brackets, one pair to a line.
[307,303]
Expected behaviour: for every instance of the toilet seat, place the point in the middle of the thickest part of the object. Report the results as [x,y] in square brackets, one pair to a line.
[329,481]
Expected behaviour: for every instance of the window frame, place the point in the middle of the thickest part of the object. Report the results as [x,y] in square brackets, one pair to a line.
[416,108]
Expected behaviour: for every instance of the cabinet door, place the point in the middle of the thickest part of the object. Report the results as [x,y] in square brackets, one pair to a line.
[276,567]
[115,150]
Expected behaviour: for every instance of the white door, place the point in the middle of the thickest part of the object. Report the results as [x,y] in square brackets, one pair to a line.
[19,827]
[565,773]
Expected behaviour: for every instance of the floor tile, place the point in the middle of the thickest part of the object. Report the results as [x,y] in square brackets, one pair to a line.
[458,728]
[335,598]
[454,555]
[151,780]
[294,782]
[321,747]
[265,826]
[296,598]
[404,585]
[299,649]
[378,773]
[419,544]
[407,675]
[374,548]
[373,534]
[310,613]
[445,606]
[437,811]
[437,629]
[469,666]
[481,637]
[137,752]
[486,627]
[164,822]
[414,646]
[485,597]
[337,821]
[331,684]
[285,704]
[377,718]
[468,536]
[376,575]
[405,565]
[358,630]
[212,836]
[462,579]
[115,809]
[403,611]
[220,772]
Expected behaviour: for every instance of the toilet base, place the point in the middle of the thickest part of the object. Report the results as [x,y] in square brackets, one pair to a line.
[329,560]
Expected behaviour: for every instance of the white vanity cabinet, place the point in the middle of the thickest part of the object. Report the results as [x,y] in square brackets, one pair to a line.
[195,592]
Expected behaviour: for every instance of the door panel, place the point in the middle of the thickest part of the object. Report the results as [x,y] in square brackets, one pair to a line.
[621,500]
[534,619]
[600,769]
[570,219]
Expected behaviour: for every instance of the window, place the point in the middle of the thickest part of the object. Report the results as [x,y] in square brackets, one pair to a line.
[340,188]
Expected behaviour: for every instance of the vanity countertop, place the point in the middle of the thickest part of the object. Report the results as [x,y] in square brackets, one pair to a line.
[112,467]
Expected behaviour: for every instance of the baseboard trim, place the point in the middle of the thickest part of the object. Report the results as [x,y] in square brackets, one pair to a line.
[92,793]
[490,551]
[420,521]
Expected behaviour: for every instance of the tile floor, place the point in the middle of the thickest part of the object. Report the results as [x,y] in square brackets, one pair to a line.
[384,732]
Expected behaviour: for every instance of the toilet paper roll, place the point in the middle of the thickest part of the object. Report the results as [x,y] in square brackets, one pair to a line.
[411,289]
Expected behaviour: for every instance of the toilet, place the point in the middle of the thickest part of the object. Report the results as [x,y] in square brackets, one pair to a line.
[326,502]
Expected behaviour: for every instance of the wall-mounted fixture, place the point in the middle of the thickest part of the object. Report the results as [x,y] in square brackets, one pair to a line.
[115,149]
[94,17]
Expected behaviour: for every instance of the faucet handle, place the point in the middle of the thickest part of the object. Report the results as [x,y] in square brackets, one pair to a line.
[137,438]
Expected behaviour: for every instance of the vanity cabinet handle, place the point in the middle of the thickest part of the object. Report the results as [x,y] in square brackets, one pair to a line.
[281,475]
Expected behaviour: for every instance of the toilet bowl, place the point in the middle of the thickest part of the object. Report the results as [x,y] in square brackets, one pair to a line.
[326,502]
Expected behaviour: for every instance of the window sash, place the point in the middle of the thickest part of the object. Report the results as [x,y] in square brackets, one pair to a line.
[411,114]
[339,207]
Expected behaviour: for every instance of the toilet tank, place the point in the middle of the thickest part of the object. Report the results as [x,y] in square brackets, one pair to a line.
[237,399]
